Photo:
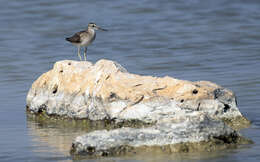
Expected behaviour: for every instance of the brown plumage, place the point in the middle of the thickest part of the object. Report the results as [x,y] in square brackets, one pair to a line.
[75,38]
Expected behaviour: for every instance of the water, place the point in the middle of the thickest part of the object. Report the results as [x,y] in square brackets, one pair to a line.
[192,39]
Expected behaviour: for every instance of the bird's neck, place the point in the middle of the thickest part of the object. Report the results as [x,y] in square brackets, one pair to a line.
[92,31]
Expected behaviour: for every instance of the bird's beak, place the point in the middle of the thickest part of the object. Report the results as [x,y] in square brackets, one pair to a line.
[99,28]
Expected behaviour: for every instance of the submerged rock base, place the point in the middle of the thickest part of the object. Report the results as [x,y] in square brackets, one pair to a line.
[179,113]
[214,144]
[196,133]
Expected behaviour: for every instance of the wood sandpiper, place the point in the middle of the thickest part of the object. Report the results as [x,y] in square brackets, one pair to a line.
[84,38]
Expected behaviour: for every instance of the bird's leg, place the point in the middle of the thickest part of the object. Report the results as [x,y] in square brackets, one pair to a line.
[79,53]
[85,53]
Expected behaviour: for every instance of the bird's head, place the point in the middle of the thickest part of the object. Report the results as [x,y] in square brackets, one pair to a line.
[95,27]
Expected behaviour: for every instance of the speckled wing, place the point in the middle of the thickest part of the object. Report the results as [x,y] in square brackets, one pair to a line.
[75,38]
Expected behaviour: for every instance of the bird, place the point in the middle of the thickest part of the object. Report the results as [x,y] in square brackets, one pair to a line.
[85,38]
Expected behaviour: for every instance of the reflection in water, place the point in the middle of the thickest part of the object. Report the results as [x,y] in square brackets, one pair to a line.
[59,134]
[51,137]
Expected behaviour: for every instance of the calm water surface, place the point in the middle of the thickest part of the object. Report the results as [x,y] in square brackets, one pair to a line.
[192,39]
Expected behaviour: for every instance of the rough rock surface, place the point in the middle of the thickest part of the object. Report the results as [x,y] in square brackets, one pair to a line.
[106,91]
[195,128]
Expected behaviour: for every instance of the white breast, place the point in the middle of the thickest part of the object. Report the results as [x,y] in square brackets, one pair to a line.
[89,38]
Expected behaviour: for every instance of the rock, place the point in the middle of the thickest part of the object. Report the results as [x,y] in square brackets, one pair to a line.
[106,91]
[196,132]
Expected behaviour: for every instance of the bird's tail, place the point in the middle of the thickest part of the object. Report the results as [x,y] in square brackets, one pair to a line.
[67,39]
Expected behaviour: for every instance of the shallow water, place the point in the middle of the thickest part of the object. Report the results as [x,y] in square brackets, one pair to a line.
[192,39]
